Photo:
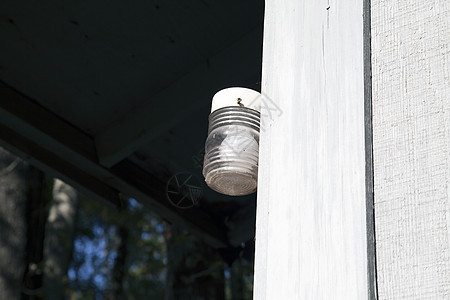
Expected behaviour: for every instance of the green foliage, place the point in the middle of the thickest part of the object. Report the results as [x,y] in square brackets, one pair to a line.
[194,269]
[95,250]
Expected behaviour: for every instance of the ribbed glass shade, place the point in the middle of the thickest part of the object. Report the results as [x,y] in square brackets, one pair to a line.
[231,151]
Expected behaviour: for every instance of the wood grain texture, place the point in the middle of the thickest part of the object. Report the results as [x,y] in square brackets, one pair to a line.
[411,137]
[311,210]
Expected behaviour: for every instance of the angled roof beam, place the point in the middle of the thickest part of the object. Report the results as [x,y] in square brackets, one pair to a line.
[29,130]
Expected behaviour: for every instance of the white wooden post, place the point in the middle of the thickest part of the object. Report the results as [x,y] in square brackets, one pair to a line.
[311,209]
[411,142]
[311,239]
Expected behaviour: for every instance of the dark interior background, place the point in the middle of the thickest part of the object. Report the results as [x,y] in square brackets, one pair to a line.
[113,97]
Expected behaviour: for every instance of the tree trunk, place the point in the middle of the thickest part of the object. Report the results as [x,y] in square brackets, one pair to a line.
[195,270]
[237,281]
[59,236]
[119,264]
[13,227]
[36,215]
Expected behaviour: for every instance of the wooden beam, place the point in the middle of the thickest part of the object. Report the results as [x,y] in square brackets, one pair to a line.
[233,66]
[57,166]
[311,240]
[53,144]
[145,184]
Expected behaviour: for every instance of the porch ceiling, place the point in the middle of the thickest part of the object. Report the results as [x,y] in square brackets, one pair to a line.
[113,96]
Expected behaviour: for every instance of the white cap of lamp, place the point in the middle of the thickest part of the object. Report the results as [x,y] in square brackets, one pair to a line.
[232,147]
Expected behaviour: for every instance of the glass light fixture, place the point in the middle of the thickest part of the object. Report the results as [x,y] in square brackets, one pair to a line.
[232,148]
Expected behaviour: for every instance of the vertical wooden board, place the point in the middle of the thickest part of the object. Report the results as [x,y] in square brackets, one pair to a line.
[411,138]
[311,211]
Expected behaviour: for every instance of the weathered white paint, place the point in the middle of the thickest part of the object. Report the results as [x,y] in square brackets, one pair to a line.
[311,211]
[411,137]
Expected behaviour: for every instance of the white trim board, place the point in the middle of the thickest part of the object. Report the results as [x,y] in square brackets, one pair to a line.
[311,209]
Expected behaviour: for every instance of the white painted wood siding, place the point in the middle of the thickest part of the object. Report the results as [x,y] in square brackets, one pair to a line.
[311,226]
[411,137]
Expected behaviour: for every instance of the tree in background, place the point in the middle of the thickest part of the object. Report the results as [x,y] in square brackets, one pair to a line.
[13,225]
[147,254]
[23,200]
[25,196]
[196,271]
[57,244]
[117,254]
[59,235]
[38,198]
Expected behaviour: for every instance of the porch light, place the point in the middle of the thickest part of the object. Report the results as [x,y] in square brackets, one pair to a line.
[231,151]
